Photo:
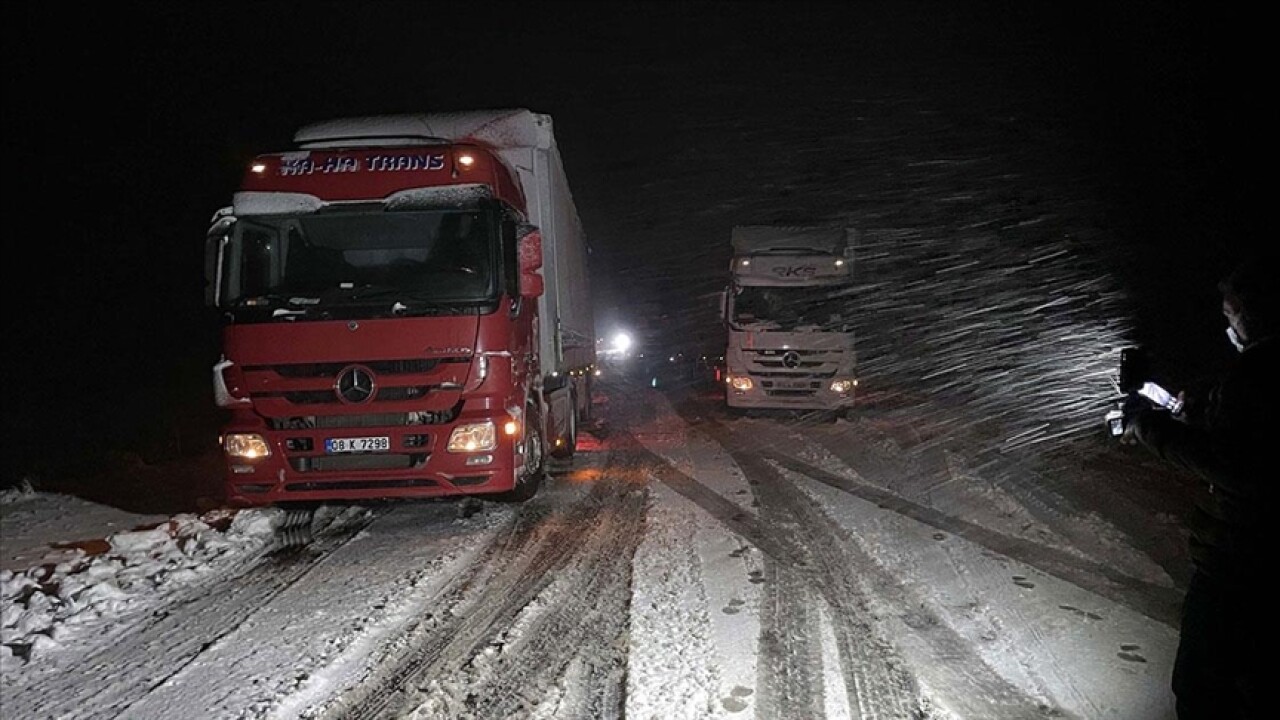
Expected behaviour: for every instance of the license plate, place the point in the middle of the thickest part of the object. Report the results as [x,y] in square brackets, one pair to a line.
[357,444]
[794,384]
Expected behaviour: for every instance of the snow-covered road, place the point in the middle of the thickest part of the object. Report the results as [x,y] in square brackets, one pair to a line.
[689,564]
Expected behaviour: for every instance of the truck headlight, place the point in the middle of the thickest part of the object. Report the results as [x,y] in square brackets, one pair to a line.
[843,387]
[741,384]
[473,437]
[245,446]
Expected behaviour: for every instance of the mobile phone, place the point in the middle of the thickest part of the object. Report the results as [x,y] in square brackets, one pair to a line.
[1115,422]
[1160,396]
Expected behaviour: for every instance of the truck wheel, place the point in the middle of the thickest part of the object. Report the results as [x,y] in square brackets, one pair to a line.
[566,450]
[535,463]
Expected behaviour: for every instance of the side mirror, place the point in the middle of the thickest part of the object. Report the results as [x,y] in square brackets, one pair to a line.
[851,243]
[214,249]
[531,284]
[723,297]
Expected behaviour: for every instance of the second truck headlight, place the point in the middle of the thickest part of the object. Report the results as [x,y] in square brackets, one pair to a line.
[842,386]
[740,383]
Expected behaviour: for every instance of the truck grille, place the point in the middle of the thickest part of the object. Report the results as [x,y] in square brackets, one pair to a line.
[360,485]
[347,463]
[366,420]
[381,367]
[788,368]
[301,402]
[793,373]
[315,384]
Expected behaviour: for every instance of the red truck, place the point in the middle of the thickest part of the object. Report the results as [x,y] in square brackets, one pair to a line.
[405,312]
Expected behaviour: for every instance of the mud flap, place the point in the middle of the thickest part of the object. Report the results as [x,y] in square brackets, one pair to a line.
[296,529]
[560,406]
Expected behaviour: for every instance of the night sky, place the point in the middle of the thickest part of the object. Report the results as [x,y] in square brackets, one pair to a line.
[127,126]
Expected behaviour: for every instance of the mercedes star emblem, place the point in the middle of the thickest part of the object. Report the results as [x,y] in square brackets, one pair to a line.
[355,385]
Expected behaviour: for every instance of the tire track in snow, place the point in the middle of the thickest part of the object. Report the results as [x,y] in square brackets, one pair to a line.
[581,617]
[549,598]
[790,666]
[878,681]
[791,681]
[851,582]
[1035,495]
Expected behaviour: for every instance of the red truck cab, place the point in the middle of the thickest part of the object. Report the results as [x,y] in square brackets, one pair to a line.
[381,302]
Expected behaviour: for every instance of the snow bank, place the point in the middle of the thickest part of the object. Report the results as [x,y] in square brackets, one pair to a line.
[49,606]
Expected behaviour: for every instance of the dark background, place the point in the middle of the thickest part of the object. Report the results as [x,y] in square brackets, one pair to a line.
[127,126]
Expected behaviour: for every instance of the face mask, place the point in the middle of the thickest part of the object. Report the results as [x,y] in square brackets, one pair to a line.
[1235,339]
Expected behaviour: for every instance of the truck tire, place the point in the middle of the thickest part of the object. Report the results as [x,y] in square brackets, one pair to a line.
[535,461]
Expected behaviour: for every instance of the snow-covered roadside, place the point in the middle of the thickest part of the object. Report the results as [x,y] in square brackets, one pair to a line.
[39,528]
[326,628]
[78,591]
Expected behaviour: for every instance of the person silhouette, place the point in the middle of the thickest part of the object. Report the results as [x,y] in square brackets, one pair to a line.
[1225,438]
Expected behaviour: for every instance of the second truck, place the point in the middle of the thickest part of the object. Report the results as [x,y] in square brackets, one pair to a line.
[788,314]
[405,311]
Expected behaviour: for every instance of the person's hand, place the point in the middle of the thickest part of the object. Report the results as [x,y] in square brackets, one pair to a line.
[1135,417]
[1130,434]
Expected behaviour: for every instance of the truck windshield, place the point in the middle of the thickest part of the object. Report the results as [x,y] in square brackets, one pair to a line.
[437,256]
[791,308]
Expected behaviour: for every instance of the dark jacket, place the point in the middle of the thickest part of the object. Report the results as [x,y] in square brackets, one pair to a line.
[1232,441]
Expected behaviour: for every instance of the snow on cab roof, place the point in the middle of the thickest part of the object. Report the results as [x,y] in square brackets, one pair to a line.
[511,128]
[749,239]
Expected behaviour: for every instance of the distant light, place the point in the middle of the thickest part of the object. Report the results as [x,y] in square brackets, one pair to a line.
[621,342]
[258,168]
[746,263]
[839,263]
[466,160]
